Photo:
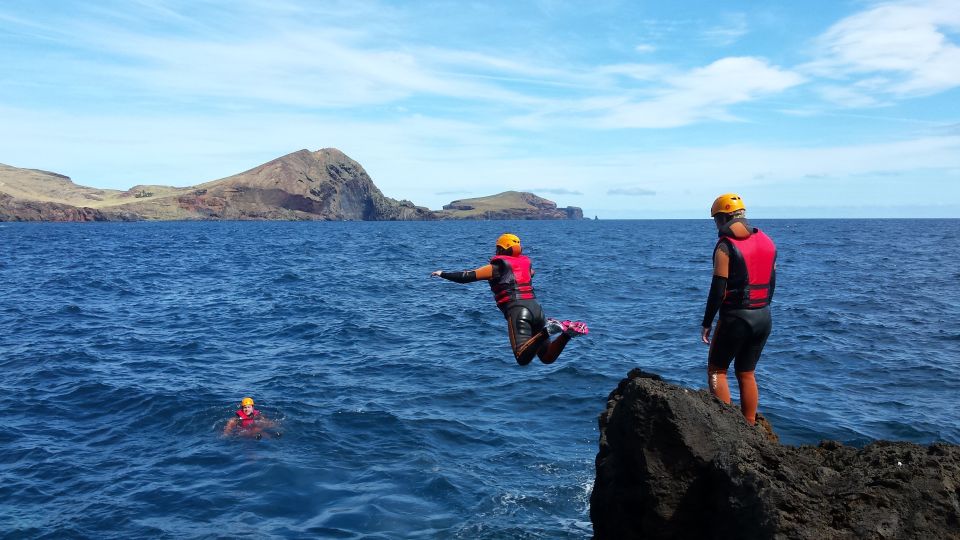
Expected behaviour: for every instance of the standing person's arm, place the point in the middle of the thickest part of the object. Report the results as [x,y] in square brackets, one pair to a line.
[467,276]
[718,286]
[773,279]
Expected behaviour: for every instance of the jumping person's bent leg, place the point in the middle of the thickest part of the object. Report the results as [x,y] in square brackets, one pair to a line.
[523,340]
[549,353]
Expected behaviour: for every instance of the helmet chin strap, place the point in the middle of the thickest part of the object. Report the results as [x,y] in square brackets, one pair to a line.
[723,228]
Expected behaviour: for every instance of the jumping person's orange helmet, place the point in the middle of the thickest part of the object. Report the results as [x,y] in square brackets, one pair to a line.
[509,244]
[246,401]
[726,204]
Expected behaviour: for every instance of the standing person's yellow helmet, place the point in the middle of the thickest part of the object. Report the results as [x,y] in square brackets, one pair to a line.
[509,244]
[246,401]
[727,204]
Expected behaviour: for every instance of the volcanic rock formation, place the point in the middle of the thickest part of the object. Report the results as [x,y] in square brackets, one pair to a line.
[508,205]
[12,209]
[678,463]
[304,185]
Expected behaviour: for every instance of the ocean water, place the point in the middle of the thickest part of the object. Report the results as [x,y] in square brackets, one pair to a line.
[126,347]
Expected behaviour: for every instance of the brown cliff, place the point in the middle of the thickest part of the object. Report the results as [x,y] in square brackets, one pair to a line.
[508,205]
[12,209]
[304,185]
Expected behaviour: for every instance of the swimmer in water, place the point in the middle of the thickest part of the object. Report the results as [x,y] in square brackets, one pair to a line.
[249,422]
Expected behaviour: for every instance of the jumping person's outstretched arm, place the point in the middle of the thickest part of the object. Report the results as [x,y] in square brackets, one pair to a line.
[467,276]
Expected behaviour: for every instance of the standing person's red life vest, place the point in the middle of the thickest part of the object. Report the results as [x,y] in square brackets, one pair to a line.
[247,420]
[515,280]
[751,267]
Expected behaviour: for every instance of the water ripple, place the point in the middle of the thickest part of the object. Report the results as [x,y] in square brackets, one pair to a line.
[403,413]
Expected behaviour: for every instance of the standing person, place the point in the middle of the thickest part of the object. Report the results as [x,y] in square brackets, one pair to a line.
[744,272]
[511,279]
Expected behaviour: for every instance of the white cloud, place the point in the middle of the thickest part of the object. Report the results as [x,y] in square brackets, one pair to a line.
[295,69]
[645,48]
[733,28]
[904,48]
[847,96]
[632,192]
[703,93]
[552,191]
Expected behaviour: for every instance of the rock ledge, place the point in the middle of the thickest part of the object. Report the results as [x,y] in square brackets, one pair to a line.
[678,463]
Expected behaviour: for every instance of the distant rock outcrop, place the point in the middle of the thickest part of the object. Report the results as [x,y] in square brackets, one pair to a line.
[304,185]
[678,463]
[12,209]
[508,205]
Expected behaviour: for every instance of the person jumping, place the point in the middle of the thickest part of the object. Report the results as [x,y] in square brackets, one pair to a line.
[510,276]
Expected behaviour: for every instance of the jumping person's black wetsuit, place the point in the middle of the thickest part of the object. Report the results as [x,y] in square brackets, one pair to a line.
[510,280]
[745,321]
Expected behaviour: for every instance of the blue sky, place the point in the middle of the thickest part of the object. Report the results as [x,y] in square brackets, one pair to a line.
[628,109]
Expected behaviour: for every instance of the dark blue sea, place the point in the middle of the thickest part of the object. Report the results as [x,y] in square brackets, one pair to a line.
[125,348]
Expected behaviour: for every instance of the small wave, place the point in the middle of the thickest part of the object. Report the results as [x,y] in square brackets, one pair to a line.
[288,277]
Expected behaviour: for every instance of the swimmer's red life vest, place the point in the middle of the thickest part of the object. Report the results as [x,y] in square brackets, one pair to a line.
[751,267]
[247,420]
[515,280]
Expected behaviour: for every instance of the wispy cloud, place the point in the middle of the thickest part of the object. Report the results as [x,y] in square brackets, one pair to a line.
[632,192]
[702,94]
[554,191]
[436,104]
[734,27]
[899,49]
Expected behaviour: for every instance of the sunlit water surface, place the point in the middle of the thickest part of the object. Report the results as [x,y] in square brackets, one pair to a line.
[125,348]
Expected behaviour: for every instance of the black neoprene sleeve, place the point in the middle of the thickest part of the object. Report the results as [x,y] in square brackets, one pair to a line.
[717,287]
[773,282]
[467,276]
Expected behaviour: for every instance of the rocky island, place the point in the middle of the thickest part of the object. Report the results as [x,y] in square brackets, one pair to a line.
[508,205]
[303,185]
[678,463]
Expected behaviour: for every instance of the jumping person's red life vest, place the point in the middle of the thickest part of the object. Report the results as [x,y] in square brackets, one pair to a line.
[247,420]
[515,280]
[751,267]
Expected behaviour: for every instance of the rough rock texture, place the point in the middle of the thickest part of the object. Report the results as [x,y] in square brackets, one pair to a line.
[508,205]
[678,463]
[12,209]
[304,185]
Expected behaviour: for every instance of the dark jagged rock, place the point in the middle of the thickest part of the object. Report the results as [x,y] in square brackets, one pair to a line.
[678,463]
